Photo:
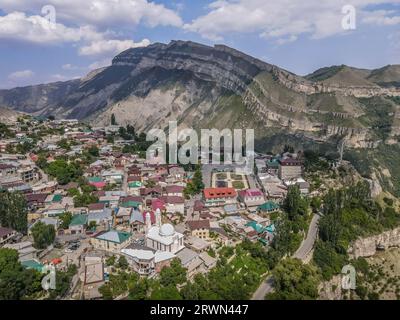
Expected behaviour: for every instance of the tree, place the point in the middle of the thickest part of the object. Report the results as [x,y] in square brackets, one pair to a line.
[294,281]
[294,204]
[43,235]
[110,261]
[123,263]
[66,219]
[139,290]
[196,185]
[15,281]
[93,151]
[113,120]
[166,293]
[105,291]
[63,171]
[13,211]
[84,199]
[173,275]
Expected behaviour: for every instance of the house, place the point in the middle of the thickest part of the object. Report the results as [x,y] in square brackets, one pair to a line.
[209,261]
[93,277]
[147,261]
[36,200]
[101,218]
[96,207]
[25,249]
[290,168]
[191,261]
[174,204]
[199,228]
[268,207]
[113,176]
[174,190]
[272,166]
[251,197]
[78,224]
[7,235]
[219,196]
[112,240]
[122,215]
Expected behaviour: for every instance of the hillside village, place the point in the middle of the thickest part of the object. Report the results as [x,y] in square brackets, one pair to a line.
[121,205]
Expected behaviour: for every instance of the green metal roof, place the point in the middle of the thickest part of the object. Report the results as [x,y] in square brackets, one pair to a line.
[131,204]
[268,206]
[32,264]
[135,184]
[78,220]
[95,179]
[57,198]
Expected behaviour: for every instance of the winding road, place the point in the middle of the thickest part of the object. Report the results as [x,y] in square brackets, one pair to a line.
[302,253]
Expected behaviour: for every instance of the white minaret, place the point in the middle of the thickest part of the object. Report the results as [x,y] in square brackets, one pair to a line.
[158,217]
[148,222]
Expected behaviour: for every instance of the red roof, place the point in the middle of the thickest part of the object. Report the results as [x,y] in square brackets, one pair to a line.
[215,193]
[157,204]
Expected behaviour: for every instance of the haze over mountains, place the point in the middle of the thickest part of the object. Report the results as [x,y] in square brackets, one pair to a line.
[220,87]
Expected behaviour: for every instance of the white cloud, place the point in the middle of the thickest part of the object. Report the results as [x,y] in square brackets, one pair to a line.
[110,47]
[283,20]
[69,67]
[21,75]
[37,29]
[102,13]
[381,18]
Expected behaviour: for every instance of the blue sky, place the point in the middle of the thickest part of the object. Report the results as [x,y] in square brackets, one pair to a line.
[38,46]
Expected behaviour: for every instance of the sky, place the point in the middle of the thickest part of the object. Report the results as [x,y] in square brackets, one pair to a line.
[44,41]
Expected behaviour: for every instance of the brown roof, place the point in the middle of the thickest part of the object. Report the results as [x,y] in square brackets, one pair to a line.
[96,206]
[173,199]
[174,189]
[198,224]
[36,197]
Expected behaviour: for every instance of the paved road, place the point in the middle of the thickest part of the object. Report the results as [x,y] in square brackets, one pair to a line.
[302,253]
[265,287]
[308,243]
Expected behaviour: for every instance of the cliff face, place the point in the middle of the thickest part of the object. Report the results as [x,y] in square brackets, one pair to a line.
[366,247]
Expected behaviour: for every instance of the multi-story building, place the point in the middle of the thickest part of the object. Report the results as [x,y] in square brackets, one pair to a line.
[290,169]
[219,196]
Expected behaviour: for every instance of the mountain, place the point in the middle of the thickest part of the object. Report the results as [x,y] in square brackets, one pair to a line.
[202,86]
[343,75]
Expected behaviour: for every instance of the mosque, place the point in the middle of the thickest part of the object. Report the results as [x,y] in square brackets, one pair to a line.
[162,237]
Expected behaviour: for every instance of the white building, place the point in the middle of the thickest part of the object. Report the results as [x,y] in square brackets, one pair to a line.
[162,237]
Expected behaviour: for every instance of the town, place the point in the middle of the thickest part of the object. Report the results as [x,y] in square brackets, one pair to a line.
[105,204]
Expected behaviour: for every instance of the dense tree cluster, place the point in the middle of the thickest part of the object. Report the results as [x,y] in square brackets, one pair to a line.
[294,280]
[13,211]
[348,214]
[16,282]
[43,235]
[64,171]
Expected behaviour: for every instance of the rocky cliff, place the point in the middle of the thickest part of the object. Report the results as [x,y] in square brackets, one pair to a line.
[366,247]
